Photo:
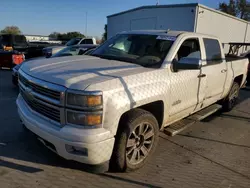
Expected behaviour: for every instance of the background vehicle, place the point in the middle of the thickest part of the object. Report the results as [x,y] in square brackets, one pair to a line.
[75,41]
[12,46]
[9,59]
[13,42]
[68,51]
[112,105]
[35,49]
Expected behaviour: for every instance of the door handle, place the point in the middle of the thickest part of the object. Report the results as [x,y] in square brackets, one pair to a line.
[223,70]
[201,75]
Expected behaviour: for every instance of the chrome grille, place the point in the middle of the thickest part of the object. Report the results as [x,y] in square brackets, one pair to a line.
[45,110]
[44,98]
[39,89]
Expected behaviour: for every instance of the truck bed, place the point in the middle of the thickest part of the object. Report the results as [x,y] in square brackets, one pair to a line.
[233,58]
[238,65]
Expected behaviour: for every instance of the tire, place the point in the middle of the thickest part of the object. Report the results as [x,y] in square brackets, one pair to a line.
[232,98]
[131,141]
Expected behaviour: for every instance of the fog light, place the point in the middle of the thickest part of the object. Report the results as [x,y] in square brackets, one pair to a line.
[76,150]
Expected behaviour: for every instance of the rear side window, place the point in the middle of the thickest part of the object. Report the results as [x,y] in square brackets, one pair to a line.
[213,50]
[19,39]
[87,41]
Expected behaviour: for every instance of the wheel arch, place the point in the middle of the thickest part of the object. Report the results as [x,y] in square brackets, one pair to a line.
[239,79]
[156,108]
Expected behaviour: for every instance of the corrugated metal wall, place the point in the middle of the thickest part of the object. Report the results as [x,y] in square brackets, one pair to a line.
[195,18]
[174,18]
[227,28]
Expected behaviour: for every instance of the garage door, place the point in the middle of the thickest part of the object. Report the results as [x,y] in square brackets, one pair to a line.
[143,23]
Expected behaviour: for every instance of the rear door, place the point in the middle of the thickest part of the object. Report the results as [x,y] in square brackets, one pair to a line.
[214,70]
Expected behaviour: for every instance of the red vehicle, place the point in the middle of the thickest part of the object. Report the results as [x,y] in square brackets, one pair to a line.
[12,48]
[9,59]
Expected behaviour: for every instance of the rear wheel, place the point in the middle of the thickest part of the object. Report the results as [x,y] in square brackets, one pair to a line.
[232,98]
[136,140]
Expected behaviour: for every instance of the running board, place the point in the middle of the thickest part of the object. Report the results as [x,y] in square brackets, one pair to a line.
[181,125]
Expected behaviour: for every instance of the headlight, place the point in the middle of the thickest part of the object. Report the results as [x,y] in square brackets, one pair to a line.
[84,101]
[84,119]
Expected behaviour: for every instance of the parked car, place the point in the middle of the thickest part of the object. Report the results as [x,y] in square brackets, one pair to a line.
[12,50]
[9,42]
[17,44]
[110,106]
[35,49]
[68,51]
[75,41]
[9,59]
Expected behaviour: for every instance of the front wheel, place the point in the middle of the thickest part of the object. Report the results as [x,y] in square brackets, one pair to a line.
[232,98]
[136,140]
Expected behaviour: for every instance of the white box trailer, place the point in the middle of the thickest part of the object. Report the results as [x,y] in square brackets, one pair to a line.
[192,17]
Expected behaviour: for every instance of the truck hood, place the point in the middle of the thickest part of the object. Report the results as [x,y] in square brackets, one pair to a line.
[78,72]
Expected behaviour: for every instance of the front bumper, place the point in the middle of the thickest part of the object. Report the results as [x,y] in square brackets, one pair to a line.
[98,142]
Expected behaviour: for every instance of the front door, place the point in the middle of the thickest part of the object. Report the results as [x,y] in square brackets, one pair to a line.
[185,84]
[215,71]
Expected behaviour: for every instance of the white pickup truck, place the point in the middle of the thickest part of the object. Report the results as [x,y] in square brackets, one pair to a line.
[49,51]
[110,106]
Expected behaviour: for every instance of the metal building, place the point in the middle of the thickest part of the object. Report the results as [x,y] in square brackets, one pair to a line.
[34,38]
[184,17]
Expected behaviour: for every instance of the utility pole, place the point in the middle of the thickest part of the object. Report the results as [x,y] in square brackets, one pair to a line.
[157,2]
[86,24]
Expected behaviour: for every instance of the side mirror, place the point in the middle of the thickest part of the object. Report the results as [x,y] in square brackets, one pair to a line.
[186,64]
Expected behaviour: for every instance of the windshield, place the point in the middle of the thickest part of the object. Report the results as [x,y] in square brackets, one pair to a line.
[73,41]
[68,51]
[142,49]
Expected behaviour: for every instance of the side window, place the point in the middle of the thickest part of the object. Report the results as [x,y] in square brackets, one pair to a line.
[190,48]
[213,51]
[83,41]
[87,41]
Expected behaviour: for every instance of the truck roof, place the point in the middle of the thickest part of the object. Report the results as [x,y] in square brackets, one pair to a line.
[166,32]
